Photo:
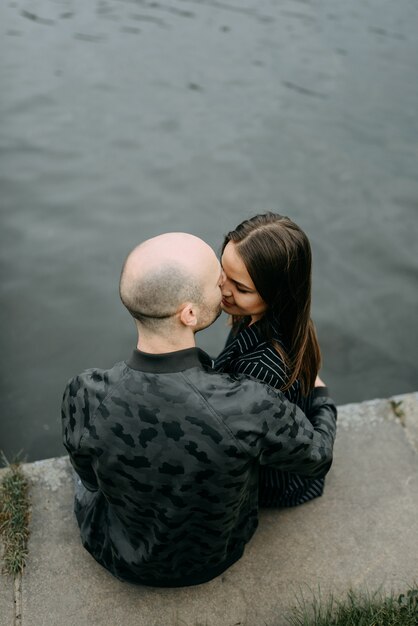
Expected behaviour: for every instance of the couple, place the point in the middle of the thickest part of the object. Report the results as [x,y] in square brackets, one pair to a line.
[175,452]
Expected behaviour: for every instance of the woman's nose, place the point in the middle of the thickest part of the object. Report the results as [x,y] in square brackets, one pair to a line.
[226,287]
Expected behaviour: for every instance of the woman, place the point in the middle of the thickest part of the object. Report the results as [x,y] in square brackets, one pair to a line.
[267,293]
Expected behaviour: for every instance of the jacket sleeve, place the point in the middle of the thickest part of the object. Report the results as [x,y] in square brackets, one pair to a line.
[277,433]
[77,412]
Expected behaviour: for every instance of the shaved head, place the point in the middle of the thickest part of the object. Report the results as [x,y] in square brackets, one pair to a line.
[162,274]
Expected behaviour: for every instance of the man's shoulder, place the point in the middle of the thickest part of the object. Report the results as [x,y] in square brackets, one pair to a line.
[217,385]
[96,378]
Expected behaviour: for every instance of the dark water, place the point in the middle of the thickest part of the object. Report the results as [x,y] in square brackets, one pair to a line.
[124,119]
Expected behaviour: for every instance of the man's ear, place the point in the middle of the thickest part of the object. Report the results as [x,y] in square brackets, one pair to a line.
[188,314]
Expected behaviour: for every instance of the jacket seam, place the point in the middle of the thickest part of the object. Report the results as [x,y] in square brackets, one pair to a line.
[112,388]
[218,417]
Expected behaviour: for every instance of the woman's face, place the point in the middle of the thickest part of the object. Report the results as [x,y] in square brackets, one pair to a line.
[239,295]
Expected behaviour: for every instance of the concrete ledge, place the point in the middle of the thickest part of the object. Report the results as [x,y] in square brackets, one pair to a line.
[361,533]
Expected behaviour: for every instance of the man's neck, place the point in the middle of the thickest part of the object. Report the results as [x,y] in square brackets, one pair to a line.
[160,345]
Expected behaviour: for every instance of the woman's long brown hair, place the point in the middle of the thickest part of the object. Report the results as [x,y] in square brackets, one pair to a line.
[277,255]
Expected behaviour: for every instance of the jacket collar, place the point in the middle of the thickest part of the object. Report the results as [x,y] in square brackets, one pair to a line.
[170,361]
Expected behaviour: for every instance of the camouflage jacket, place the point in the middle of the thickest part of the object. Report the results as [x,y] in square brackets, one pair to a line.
[168,451]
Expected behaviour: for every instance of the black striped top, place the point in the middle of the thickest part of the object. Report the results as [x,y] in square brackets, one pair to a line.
[249,353]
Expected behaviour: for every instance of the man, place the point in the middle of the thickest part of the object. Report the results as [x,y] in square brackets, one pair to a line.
[167,449]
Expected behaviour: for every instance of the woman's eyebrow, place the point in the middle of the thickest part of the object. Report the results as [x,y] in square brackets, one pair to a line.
[241,284]
[238,283]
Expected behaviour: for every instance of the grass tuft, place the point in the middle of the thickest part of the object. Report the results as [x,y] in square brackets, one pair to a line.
[14,519]
[358,609]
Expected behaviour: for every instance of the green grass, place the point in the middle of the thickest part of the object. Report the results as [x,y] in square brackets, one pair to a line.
[14,519]
[358,609]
